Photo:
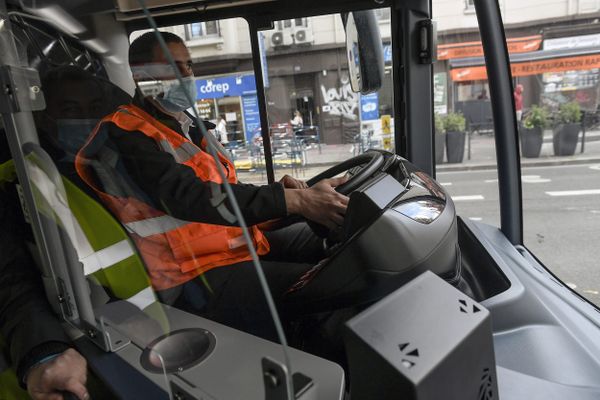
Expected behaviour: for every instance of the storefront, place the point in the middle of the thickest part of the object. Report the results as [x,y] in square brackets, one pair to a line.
[552,71]
[549,77]
[234,98]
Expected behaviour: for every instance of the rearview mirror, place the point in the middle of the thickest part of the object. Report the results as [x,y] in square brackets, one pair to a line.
[364,50]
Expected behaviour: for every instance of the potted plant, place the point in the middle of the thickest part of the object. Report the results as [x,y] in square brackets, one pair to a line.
[567,129]
[440,138]
[454,125]
[532,131]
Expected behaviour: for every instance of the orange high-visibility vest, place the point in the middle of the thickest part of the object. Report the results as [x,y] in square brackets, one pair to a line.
[174,251]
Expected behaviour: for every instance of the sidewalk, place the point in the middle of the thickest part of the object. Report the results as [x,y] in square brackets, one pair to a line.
[482,157]
[482,154]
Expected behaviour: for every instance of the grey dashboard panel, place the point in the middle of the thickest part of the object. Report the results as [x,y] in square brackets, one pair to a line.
[232,370]
[546,338]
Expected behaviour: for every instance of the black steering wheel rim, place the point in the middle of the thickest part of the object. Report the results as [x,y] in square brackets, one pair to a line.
[373,160]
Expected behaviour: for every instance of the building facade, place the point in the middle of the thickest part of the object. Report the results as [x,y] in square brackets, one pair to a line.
[554,51]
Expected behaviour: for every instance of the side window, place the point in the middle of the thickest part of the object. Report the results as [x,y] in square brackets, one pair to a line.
[465,150]
[556,98]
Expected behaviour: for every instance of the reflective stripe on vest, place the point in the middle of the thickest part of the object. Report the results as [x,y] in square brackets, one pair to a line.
[153,226]
[174,251]
[92,260]
[116,266]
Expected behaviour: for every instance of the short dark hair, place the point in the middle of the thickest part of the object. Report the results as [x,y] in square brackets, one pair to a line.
[141,50]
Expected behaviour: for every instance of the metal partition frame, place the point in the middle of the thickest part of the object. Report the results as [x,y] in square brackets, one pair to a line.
[505,120]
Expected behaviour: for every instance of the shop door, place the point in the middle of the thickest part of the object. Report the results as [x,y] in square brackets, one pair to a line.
[231,109]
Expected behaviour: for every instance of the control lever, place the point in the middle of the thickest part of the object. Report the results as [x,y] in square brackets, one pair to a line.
[276,386]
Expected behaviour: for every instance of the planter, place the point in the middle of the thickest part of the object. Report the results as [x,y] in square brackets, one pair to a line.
[455,146]
[531,141]
[565,139]
[440,147]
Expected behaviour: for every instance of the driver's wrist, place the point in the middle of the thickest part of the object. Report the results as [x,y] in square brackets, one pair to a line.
[293,200]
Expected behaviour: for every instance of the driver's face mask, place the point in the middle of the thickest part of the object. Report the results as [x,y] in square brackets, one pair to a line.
[72,134]
[178,94]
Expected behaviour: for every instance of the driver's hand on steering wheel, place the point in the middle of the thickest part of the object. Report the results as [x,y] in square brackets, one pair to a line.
[319,203]
[290,182]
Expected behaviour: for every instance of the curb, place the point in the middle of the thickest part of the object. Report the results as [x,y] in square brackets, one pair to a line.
[481,167]
[524,164]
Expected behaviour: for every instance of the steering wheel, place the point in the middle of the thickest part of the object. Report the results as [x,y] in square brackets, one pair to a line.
[373,160]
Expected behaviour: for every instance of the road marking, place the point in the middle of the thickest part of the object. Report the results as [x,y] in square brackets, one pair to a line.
[574,192]
[534,179]
[468,198]
[595,211]
[446,183]
[475,218]
[572,285]
[591,292]
[595,167]
[525,179]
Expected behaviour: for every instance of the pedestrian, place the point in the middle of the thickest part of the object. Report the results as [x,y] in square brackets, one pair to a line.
[518,94]
[221,130]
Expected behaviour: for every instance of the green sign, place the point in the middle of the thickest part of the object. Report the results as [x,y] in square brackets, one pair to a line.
[440,93]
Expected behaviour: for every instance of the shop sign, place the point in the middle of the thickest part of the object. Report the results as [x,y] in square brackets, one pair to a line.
[387,53]
[251,116]
[263,59]
[475,49]
[233,85]
[386,124]
[531,67]
[572,42]
[369,106]
[440,93]
[205,109]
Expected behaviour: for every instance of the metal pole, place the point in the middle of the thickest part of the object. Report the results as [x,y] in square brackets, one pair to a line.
[583,131]
[505,120]
[262,101]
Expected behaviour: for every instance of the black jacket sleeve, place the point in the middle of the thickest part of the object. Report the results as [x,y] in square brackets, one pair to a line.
[175,189]
[28,325]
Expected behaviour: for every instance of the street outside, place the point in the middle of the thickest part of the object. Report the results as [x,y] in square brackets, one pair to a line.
[561,201]
[561,209]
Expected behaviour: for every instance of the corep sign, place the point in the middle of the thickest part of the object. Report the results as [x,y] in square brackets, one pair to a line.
[215,88]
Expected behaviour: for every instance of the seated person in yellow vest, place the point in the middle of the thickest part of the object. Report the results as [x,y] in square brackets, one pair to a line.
[143,163]
[39,349]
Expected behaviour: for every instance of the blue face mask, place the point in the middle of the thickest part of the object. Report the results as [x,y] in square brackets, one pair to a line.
[73,133]
[176,96]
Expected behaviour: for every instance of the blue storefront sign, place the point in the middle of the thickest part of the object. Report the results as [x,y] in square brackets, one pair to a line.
[233,85]
[251,115]
[369,106]
[263,59]
[387,53]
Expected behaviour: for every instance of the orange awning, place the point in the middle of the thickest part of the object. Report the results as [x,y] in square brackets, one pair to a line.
[530,67]
[475,49]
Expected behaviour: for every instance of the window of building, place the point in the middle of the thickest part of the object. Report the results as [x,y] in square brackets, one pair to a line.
[383,14]
[201,30]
